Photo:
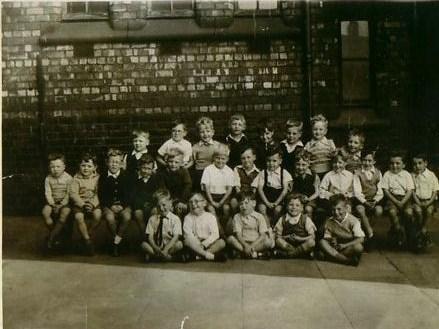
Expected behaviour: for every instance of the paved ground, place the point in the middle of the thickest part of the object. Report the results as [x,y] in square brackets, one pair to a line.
[387,290]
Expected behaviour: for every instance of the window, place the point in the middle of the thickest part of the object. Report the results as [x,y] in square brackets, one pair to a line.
[256,7]
[86,10]
[355,62]
[170,8]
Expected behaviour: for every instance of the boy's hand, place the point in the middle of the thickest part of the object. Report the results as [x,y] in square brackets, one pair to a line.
[56,208]
[248,250]
[271,205]
[341,246]
[370,204]
[116,208]
[215,204]
[88,207]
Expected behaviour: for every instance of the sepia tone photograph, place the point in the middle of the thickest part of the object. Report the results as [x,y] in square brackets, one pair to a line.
[207,164]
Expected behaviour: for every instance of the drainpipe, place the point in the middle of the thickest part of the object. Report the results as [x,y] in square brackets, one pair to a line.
[42,143]
[308,104]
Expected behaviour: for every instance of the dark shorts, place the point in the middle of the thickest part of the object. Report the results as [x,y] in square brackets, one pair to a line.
[219,197]
[76,209]
[390,205]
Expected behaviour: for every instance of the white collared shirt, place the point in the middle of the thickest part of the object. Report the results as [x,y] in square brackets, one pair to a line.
[337,183]
[171,227]
[273,179]
[109,173]
[216,179]
[358,189]
[183,145]
[397,184]
[138,155]
[291,147]
[426,183]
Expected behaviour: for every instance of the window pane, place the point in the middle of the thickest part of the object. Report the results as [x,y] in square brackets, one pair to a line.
[95,7]
[182,5]
[164,6]
[247,4]
[355,39]
[355,82]
[76,7]
[268,4]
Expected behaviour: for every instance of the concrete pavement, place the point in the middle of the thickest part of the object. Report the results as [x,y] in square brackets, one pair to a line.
[387,290]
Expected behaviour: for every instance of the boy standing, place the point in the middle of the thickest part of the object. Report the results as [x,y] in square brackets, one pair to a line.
[163,230]
[291,145]
[426,189]
[56,190]
[343,238]
[201,234]
[140,147]
[236,140]
[352,151]
[114,198]
[250,232]
[266,129]
[295,230]
[398,187]
[84,194]
[177,140]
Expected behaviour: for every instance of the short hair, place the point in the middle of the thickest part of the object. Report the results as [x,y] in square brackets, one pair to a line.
[368,151]
[248,148]
[173,153]
[337,198]
[397,154]
[197,194]
[303,155]
[160,194]
[56,156]
[145,159]
[221,149]
[204,121]
[88,156]
[319,118]
[339,156]
[273,151]
[422,156]
[357,132]
[238,117]
[114,153]
[293,123]
[241,196]
[140,133]
[294,196]
[178,122]
[266,124]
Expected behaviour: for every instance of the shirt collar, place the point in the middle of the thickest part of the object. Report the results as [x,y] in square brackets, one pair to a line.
[292,219]
[344,219]
[211,142]
[145,180]
[423,174]
[298,143]
[237,140]
[324,140]
[249,171]
[113,175]
[139,154]
[277,171]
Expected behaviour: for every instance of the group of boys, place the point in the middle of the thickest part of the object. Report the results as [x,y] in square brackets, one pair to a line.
[263,200]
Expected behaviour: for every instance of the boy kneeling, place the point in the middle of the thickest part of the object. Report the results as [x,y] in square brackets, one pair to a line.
[295,231]
[343,238]
[250,233]
[163,230]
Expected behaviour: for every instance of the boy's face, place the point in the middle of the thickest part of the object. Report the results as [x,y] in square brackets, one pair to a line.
[319,130]
[164,205]
[368,161]
[197,204]
[87,168]
[339,164]
[293,135]
[220,160]
[354,144]
[140,143]
[302,166]
[274,162]
[236,127]
[340,210]
[247,206]
[267,136]
[294,207]
[396,164]
[419,165]
[146,169]
[206,133]
[178,133]
[114,164]
[248,159]
[175,162]
[56,167]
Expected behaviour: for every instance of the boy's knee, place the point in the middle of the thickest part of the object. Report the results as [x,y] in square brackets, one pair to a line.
[360,209]
[393,212]
[231,239]
[178,246]
[408,211]
[268,242]
[262,208]
[378,211]
[358,248]
[309,244]
[221,243]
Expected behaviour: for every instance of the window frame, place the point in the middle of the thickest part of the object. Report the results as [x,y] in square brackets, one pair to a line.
[256,12]
[173,13]
[85,16]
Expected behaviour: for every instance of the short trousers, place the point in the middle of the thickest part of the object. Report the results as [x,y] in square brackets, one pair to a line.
[390,205]
[76,209]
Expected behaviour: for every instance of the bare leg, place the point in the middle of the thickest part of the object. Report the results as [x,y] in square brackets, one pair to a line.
[365,220]
[47,215]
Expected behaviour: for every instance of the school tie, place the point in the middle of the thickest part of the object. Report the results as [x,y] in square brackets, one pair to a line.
[159,233]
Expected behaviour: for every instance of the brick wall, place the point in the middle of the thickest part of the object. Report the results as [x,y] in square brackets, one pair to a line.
[95,101]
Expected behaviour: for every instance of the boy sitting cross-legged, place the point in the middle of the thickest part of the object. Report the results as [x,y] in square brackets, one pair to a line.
[201,234]
[343,238]
[250,233]
[163,231]
[114,197]
[84,194]
[295,231]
